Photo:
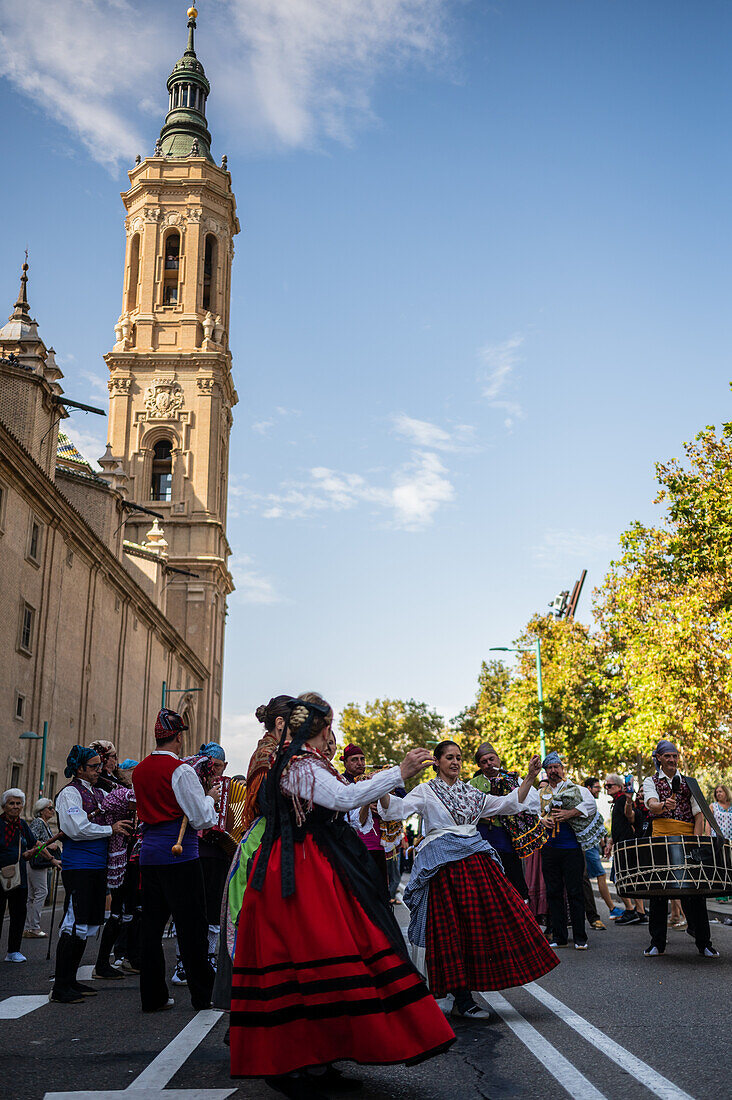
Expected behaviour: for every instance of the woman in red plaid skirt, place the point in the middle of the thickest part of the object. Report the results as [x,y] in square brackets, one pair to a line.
[477,931]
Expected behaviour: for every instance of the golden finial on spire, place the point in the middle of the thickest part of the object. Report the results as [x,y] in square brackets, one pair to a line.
[192,13]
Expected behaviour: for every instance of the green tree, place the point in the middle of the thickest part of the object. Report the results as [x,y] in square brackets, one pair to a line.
[387,729]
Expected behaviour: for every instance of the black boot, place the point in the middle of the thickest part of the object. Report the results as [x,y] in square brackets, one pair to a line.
[110,932]
[63,992]
[78,947]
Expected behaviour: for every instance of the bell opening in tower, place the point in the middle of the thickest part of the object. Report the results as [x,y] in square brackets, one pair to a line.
[162,471]
[171,269]
[209,270]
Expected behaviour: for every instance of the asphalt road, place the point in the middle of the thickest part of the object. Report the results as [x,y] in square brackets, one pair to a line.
[634,1017]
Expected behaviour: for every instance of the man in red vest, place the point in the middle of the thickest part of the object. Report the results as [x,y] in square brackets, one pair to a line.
[167,789]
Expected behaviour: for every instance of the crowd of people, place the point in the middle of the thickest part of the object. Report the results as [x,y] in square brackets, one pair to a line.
[299,927]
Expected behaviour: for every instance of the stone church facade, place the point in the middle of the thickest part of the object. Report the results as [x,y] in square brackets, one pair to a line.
[114,585]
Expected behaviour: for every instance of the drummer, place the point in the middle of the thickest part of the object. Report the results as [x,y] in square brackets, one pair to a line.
[674,812]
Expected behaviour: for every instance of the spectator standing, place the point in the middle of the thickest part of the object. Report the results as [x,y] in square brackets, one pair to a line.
[16,842]
[721,807]
[594,869]
[626,823]
[39,867]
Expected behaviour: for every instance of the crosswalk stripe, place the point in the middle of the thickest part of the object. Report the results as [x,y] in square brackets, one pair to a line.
[12,1008]
[567,1075]
[657,1084]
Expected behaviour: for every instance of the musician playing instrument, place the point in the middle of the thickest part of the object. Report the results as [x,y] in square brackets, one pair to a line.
[674,812]
[84,868]
[172,805]
[215,859]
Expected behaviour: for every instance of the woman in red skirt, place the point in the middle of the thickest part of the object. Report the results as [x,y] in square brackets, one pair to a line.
[477,930]
[321,971]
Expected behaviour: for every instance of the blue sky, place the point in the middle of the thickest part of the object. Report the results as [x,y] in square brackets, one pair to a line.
[481,287]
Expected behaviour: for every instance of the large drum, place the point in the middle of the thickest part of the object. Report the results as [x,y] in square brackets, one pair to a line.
[673,867]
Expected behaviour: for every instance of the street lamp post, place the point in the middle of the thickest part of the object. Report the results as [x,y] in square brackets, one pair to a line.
[175,691]
[30,735]
[539,686]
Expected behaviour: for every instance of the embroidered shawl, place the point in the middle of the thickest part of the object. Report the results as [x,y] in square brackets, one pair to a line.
[463,802]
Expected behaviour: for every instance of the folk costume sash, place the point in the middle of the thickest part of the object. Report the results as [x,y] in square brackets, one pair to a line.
[568,796]
[463,801]
[526,832]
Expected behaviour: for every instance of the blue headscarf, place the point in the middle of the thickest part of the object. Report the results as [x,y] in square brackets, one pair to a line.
[79,757]
[660,749]
[127,764]
[212,751]
[552,758]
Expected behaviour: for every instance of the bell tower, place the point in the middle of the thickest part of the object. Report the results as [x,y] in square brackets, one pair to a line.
[170,385]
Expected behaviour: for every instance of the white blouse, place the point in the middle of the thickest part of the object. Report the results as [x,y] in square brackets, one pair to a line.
[437,819]
[310,779]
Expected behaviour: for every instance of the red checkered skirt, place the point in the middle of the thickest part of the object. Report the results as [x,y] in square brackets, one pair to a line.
[316,981]
[480,933]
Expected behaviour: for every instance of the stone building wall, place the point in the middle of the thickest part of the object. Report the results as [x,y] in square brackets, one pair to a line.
[99,648]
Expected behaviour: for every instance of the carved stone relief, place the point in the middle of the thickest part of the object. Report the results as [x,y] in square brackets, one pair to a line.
[163,400]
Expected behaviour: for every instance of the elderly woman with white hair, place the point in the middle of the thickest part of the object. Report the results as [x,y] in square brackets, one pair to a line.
[39,867]
[16,844]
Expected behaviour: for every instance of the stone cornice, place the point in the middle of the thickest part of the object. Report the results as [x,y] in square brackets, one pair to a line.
[20,466]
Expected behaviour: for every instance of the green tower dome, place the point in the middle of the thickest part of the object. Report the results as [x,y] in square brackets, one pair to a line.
[185,132]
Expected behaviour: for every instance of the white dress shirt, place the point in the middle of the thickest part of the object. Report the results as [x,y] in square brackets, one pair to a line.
[437,819]
[72,818]
[198,807]
[309,779]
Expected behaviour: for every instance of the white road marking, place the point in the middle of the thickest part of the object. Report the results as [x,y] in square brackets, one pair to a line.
[566,1075]
[170,1060]
[145,1094]
[12,1008]
[151,1082]
[641,1072]
[83,974]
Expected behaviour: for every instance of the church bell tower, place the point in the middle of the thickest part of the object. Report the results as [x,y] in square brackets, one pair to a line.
[170,385]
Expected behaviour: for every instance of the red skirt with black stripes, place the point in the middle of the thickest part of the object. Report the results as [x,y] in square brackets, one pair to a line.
[315,981]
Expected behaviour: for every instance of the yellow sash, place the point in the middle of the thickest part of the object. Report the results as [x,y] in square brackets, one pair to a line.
[667,826]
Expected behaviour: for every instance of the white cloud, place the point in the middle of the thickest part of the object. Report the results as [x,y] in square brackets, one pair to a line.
[559,546]
[417,490]
[78,64]
[251,586]
[286,73]
[427,435]
[500,361]
[89,443]
[97,384]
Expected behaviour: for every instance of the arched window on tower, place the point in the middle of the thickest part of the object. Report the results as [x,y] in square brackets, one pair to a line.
[171,269]
[134,273]
[209,272]
[162,470]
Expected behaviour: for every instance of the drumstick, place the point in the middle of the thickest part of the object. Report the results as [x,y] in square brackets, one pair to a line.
[177,848]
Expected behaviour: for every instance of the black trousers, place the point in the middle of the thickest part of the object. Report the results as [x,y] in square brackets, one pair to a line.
[590,907]
[563,869]
[214,881]
[697,918]
[176,890]
[16,901]
[513,867]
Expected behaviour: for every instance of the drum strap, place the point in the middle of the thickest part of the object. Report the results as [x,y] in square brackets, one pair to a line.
[703,804]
